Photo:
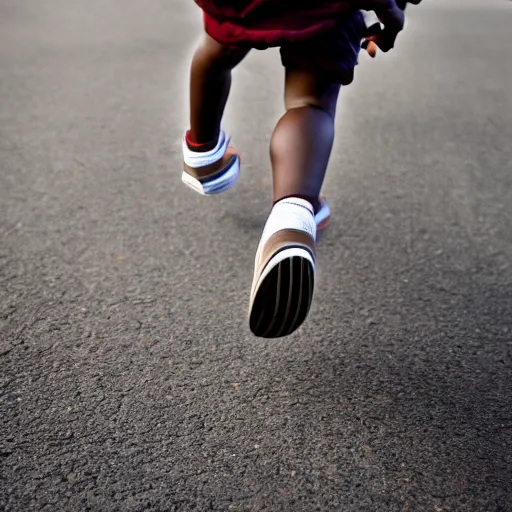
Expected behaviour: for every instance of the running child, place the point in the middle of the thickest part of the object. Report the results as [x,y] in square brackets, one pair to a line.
[319,41]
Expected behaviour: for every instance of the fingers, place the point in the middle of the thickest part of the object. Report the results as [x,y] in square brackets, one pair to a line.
[385,40]
[393,20]
[391,14]
[370,47]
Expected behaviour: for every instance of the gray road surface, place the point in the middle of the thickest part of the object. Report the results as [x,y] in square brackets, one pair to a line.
[129,379]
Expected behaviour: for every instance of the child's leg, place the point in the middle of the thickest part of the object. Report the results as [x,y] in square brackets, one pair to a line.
[284,270]
[211,165]
[210,82]
[300,148]
[302,140]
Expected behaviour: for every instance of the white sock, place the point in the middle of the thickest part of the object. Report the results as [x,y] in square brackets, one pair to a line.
[197,159]
[290,213]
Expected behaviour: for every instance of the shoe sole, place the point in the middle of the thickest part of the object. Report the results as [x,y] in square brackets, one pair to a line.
[216,186]
[283,294]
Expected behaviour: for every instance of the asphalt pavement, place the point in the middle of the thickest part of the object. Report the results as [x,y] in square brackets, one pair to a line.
[129,378]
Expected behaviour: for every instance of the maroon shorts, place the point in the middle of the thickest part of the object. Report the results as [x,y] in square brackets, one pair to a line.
[264,24]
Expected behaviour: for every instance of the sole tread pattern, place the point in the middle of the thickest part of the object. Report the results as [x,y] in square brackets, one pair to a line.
[283,299]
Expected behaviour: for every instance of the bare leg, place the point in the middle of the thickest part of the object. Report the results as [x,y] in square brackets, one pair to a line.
[301,144]
[210,83]
[284,271]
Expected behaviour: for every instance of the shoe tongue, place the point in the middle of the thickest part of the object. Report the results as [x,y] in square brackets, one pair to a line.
[298,202]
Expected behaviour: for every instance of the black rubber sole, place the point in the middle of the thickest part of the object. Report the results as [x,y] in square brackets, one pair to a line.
[283,299]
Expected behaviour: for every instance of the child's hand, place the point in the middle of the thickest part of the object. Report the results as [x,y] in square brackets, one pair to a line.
[370,47]
[393,20]
[391,16]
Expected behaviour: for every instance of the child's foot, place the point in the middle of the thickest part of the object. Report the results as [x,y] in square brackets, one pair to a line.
[284,270]
[213,171]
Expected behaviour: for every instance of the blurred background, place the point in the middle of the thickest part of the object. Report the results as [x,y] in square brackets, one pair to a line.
[129,379]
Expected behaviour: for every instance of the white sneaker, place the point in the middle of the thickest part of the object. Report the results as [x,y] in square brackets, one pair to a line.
[284,270]
[211,172]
